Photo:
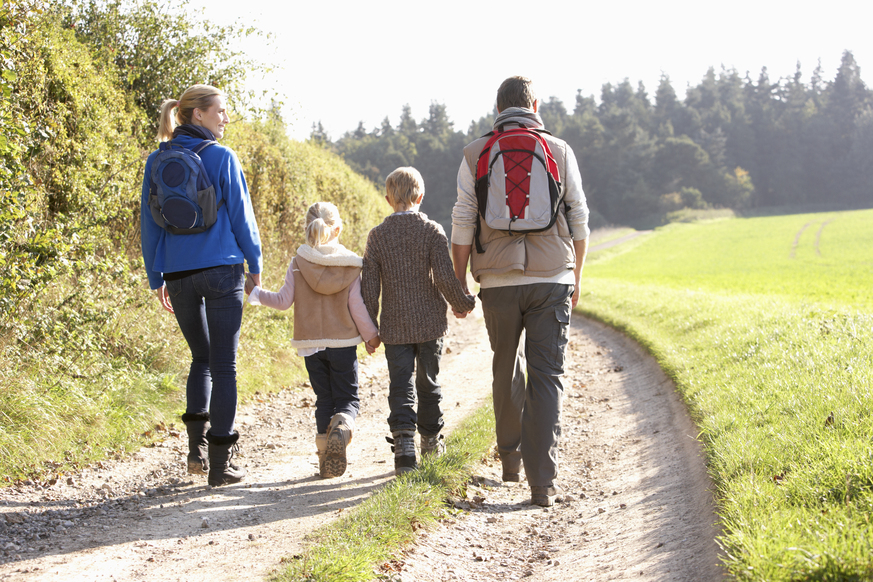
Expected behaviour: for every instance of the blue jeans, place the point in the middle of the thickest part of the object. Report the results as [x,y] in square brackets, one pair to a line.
[424,360]
[208,307]
[333,373]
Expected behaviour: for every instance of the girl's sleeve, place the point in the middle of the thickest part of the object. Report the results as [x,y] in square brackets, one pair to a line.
[359,312]
[281,300]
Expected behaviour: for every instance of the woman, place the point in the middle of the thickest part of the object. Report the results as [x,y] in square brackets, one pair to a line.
[200,278]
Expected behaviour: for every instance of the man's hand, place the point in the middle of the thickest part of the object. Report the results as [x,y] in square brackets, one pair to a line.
[162,296]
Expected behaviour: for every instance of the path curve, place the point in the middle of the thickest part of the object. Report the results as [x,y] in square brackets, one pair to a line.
[639,499]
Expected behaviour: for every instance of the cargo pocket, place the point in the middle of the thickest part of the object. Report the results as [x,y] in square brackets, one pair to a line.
[562,337]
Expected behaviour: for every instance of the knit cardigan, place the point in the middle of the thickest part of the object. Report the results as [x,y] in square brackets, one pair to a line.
[407,262]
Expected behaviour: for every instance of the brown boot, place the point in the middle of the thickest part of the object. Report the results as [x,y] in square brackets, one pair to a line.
[339,435]
[321,449]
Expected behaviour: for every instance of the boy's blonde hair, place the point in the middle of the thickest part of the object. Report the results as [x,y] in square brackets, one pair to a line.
[321,220]
[404,186]
[195,97]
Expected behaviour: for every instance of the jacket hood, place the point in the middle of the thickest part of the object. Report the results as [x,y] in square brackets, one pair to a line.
[329,268]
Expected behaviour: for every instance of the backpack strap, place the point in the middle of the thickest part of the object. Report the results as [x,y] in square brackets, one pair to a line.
[203,145]
[199,148]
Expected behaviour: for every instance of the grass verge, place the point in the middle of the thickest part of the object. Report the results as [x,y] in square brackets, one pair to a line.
[781,393]
[350,549]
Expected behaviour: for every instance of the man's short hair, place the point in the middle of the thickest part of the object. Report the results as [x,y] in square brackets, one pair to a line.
[404,186]
[516,92]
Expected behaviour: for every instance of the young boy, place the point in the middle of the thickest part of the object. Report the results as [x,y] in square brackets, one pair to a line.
[407,260]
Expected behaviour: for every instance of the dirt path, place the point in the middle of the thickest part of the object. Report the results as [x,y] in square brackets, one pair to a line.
[639,506]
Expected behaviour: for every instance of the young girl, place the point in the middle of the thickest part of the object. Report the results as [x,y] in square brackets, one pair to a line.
[323,282]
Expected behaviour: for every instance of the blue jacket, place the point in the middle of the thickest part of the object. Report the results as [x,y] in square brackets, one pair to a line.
[233,238]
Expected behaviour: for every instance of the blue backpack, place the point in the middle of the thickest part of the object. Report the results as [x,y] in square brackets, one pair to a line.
[181,196]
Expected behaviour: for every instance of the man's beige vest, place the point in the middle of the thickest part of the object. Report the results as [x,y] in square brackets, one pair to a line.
[323,320]
[536,254]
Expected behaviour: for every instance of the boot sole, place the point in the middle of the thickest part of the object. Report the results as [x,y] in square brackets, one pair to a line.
[197,468]
[335,461]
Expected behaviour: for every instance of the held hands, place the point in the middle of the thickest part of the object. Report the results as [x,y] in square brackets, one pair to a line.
[252,280]
[372,344]
[463,314]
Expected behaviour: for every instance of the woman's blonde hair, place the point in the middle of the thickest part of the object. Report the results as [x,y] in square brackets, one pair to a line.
[195,97]
[322,219]
[404,187]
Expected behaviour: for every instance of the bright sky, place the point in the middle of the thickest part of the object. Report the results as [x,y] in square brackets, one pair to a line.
[343,63]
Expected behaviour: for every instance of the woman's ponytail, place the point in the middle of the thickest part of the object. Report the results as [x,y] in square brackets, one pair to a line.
[167,123]
[195,97]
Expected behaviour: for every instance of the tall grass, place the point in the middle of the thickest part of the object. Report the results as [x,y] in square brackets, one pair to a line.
[95,362]
[776,377]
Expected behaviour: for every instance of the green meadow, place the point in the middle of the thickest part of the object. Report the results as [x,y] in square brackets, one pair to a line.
[765,326]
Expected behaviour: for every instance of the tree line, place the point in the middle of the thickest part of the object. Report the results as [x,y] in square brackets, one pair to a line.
[732,142]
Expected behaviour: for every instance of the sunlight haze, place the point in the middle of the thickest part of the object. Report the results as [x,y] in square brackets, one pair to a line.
[343,64]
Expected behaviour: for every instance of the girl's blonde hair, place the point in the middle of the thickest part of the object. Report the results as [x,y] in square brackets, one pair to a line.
[322,219]
[195,97]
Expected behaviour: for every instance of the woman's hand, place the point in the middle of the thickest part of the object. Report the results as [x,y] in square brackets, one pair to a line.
[162,296]
[252,280]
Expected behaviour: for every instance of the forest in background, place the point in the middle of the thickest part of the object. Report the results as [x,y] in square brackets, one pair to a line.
[733,142]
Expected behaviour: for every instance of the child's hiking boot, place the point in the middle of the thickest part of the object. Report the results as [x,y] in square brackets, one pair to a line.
[339,435]
[404,451]
[433,445]
[321,446]
[546,496]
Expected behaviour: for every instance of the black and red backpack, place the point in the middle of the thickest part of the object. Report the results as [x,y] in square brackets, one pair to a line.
[518,188]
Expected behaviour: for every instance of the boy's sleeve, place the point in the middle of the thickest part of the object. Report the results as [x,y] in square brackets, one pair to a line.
[444,274]
[366,326]
[371,279]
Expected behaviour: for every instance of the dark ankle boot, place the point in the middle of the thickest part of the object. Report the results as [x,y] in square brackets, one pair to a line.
[221,451]
[197,423]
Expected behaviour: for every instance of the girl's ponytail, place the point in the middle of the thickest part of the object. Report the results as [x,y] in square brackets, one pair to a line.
[322,219]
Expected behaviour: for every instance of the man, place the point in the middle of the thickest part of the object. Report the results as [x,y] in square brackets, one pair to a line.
[528,282]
